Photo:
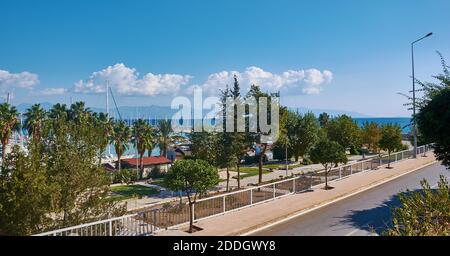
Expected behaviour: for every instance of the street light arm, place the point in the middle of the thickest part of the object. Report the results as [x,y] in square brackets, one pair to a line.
[420,39]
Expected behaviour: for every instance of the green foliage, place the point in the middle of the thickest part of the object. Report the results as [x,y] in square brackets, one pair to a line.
[120,138]
[391,138]
[423,213]
[58,183]
[34,121]
[434,123]
[205,146]
[329,154]
[324,119]
[302,133]
[143,140]
[25,195]
[8,123]
[192,177]
[371,136]
[164,131]
[344,131]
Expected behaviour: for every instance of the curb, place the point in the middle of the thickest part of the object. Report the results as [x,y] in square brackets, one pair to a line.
[308,210]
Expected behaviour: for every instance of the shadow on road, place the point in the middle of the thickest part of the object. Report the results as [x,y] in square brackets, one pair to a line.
[376,219]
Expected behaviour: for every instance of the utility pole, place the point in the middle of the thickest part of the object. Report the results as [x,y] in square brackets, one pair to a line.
[414,93]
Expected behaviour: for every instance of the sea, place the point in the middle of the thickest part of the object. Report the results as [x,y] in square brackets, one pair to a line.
[404,122]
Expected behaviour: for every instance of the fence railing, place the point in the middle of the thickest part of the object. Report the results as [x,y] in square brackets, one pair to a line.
[150,221]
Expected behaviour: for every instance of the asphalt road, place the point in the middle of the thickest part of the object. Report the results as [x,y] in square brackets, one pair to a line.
[366,213]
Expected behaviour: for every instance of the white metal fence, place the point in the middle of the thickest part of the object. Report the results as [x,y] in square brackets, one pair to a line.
[149,221]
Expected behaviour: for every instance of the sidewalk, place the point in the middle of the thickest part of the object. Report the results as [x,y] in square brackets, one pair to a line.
[248,219]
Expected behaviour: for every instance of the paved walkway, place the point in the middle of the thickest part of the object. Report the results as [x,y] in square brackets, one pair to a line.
[245,220]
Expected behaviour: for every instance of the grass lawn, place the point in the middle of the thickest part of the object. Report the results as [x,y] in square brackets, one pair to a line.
[250,171]
[158,182]
[129,191]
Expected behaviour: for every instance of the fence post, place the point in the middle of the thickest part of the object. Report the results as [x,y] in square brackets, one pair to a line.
[251,196]
[110,228]
[273,191]
[396,157]
[340,172]
[293,185]
[224,204]
[403,155]
[193,212]
[351,169]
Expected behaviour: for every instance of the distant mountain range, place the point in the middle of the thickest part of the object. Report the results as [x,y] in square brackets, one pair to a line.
[166,112]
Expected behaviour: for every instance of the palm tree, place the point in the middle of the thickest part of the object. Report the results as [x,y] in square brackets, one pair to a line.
[143,140]
[105,126]
[58,111]
[120,139]
[8,123]
[164,130]
[34,119]
[78,112]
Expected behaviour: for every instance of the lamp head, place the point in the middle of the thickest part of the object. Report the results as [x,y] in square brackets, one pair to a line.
[429,34]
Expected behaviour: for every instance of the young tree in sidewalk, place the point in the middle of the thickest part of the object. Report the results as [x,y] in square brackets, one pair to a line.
[391,139]
[193,177]
[344,131]
[371,136]
[329,154]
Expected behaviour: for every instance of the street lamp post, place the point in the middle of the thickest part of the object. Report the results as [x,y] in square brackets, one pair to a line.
[414,93]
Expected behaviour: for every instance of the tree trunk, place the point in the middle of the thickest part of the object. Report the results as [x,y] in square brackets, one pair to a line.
[3,151]
[228,178]
[119,167]
[260,163]
[238,175]
[141,165]
[389,159]
[191,217]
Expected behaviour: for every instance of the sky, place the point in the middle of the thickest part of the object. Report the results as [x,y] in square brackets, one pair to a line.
[342,54]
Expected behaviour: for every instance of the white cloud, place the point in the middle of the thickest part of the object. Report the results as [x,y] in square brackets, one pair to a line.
[126,81]
[20,80]
[308,81]
[53,91]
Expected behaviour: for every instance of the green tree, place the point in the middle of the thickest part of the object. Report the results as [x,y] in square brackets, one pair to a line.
[433,121]
[371,136]
[70,158]
[329,154]
[257,137]
[238,140]
[164,131]
[8,124]
[344,131]
[324,119]
[423,213]
[120,138]
[391,139]
[302,133]
[193,177]
[105,126]
[143,140]
[34,121]
[25,195]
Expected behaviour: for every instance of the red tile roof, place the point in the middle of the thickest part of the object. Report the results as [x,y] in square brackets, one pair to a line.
[149,160]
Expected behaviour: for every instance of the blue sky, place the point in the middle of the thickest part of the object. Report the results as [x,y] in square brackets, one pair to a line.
[342,54]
